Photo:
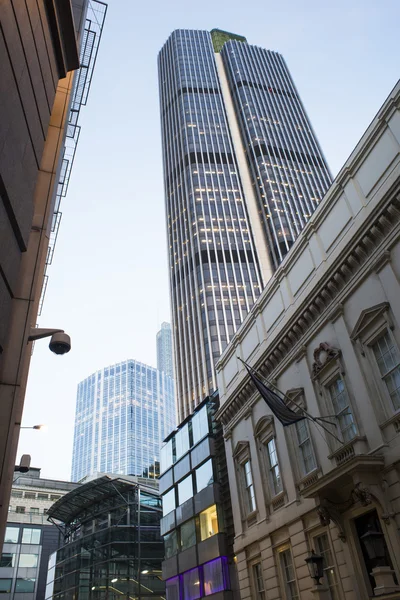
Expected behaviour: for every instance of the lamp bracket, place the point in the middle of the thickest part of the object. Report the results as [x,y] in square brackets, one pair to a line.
[37,333]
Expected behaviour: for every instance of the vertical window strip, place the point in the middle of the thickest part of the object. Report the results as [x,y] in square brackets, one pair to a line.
[322,547]
[342,409]
[289,576]
[388,361]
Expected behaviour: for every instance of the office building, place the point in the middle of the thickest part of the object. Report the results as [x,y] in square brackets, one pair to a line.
[111,545]
[164,350]
[29,539]
[197,514]
[41,45]
[243,173]
[123,412]
[326,332]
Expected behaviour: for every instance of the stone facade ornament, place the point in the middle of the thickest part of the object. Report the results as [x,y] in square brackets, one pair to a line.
[322,355]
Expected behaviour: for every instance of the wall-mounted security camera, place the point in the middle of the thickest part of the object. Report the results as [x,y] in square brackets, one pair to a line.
[60,342]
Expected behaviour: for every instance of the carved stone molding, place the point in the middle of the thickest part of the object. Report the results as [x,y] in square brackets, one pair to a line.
[322,356]
[319,302]
[327,514]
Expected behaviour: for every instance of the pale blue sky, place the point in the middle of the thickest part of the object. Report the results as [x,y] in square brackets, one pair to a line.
[108,285]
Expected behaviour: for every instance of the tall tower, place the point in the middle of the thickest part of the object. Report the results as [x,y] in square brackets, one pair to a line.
[164,350]
[243,172]
[123,412]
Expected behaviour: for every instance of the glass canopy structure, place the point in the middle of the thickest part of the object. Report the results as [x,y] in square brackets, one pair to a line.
[112,546]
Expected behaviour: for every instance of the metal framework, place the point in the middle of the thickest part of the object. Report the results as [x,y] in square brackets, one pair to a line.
[91,36]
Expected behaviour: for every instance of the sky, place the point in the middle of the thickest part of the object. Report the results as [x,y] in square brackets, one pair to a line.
[108,284]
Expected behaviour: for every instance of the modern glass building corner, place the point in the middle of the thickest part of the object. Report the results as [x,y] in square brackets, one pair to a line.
[112,545]
[197,513]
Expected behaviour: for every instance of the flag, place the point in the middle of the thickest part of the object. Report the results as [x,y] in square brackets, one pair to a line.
[282,412]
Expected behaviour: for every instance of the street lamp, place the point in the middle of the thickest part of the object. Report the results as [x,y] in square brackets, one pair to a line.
[315,566]
[39,427]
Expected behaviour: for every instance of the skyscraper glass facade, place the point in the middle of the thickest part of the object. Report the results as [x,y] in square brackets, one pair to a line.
[164,350]
[286,162]
[242,173]
[123,413]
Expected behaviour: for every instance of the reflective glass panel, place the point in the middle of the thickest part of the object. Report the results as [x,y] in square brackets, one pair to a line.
[25,585]
[185,489]
[170,544]
[172,588]
[213,577]
[7,559]
[166,458]
[168,502]
[204,475]
[208,522]
[28,560]
[200,425]
[182,441]
[31,536]
[5,586]
[11,536]
[191,585]
[188,534]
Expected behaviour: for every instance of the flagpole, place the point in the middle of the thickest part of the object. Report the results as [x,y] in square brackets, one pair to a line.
[307,415]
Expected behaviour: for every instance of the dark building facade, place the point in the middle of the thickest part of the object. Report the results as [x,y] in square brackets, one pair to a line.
[243,172]
[111,544]
[197,515]
[41,45]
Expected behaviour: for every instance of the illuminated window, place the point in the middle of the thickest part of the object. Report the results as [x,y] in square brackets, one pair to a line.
[208,522]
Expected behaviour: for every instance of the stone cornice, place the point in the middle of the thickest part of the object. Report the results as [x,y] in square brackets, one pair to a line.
[332,289]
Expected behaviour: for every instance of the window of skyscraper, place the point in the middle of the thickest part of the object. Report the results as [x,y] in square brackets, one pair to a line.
[11,536]
[31,536]
[204,475]
[185,489]
[200,426]
[182,441]
[168,501]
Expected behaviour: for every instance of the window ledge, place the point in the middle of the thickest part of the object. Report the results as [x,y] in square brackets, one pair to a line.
[393,420]
[278,501]
[348,451]
[309,479]
[251,518]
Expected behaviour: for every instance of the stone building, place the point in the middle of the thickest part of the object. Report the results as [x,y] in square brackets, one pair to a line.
[30,538]
[326,332]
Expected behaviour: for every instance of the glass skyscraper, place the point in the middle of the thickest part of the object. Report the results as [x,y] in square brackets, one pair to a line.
[243,173]
[164,350]
[123,412]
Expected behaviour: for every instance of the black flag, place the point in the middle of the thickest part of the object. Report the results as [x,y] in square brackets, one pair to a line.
[282,412]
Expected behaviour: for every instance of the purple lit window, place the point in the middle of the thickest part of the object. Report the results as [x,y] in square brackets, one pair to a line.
[172,588]
[191,585]
[215,576]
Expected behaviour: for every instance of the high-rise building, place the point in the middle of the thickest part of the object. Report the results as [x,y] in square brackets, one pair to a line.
[123,412]
[164,350]
[243,172]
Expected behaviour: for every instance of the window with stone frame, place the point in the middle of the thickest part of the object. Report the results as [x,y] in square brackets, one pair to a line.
[329,375]
[265,435]
[245,479]
[374,336]
[299,437]
[322,546]
[258,581]
[288,574]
